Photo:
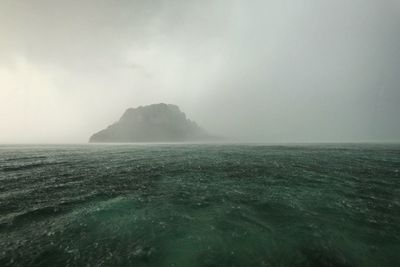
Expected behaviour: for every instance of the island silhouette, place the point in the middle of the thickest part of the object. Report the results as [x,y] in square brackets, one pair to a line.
[153,123]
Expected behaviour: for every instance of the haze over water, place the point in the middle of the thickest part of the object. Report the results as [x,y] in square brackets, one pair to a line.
[318,80]
[259,71]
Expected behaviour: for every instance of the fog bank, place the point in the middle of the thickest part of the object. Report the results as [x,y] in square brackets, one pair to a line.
[262,71]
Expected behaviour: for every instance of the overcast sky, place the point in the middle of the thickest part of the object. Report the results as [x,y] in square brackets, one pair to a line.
[260,70]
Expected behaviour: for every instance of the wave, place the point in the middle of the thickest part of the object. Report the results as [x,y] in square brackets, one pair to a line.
[28,166]
[24,158]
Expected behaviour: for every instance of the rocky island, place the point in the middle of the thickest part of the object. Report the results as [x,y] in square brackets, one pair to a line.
[153,123]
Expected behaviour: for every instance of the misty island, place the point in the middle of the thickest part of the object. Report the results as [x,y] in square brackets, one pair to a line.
[153,123]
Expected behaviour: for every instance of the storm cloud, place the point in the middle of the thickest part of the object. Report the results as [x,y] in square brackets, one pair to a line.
[262,71]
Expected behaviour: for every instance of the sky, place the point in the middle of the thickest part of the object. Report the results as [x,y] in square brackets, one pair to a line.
[252,71]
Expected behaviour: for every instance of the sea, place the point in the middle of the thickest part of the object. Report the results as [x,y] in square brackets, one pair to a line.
[200,205]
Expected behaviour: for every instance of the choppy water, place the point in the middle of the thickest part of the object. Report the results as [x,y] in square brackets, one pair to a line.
[200,205]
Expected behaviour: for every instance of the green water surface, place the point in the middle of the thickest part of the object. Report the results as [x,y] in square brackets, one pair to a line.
[200,205]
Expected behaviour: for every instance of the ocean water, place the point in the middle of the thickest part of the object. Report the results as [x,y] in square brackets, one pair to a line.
[200,205]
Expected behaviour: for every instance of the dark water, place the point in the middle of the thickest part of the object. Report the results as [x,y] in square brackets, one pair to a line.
[200,205]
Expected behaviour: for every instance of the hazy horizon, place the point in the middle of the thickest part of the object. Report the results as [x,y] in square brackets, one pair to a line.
[266,71]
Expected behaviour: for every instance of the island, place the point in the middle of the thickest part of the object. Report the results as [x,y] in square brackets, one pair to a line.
[152,123]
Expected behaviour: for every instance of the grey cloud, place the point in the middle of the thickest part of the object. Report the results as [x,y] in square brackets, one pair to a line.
[268,71]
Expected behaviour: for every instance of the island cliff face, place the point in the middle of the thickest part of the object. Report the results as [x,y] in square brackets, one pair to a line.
[153,123]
